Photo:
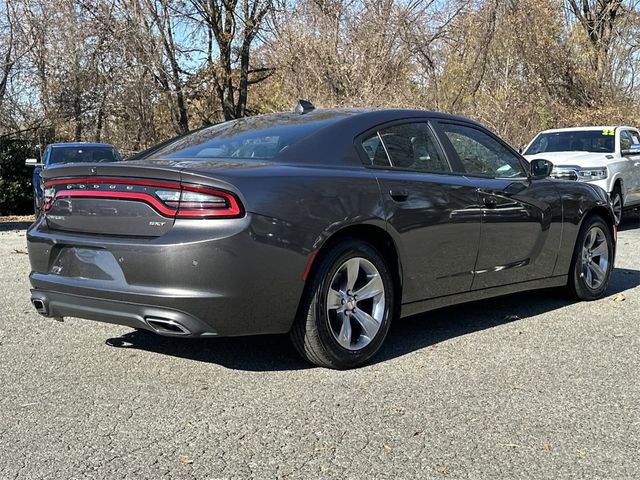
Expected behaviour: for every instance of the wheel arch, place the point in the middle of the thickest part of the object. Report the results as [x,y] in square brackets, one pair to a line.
[618,181]
[603,212]
[376,236]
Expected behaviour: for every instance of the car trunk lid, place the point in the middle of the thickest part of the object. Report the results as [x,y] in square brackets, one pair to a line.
[127,199]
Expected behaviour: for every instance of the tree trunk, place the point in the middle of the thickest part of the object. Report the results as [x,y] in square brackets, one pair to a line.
[77,116]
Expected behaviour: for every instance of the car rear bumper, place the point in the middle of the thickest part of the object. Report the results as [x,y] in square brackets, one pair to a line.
[158,318]
[201,279]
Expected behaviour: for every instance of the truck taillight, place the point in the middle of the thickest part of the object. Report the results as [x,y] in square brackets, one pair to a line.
[49,195]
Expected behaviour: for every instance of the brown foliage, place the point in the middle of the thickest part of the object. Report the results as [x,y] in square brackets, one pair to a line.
[134,72]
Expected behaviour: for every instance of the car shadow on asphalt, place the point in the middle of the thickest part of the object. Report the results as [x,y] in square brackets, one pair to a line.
[427,330]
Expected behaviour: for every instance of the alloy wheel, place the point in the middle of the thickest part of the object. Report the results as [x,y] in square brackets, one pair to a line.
[595,258]
[355,303]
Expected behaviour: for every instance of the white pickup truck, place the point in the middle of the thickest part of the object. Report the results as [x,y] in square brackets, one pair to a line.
[605,156]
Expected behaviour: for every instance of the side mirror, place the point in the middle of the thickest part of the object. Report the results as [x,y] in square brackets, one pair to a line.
[32,162]
[520,150]
[541,168]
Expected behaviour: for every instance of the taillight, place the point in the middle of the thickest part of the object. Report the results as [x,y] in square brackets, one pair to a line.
[49,195]
[168,198]
[196,201]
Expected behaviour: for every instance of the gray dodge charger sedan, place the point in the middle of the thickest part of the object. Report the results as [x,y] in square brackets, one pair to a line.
[324,224]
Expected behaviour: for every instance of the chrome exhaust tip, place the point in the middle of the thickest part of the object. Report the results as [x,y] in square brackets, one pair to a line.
[39,305]
[166,327]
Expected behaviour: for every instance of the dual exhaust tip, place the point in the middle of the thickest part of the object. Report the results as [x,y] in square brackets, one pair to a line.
[159,325]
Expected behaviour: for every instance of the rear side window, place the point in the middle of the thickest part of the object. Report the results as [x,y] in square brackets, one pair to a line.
[481,154]
[408,146]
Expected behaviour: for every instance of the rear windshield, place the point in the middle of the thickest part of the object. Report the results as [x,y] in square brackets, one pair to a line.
[574,141]
[260,137]
[83,155]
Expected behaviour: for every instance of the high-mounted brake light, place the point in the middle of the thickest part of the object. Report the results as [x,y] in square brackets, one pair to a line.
[169,198]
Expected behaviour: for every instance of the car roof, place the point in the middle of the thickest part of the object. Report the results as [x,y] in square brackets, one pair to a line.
[332,143]
[80,145]
[361,113]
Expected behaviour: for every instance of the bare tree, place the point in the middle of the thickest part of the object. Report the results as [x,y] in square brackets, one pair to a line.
[9,44]
[232,27]
[599,20]
[169,72]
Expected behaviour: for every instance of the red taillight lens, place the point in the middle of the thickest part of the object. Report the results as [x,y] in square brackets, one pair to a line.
[196,201]
[169,198]
[49,195]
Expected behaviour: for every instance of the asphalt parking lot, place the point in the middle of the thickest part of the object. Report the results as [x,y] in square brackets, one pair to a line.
[528,386]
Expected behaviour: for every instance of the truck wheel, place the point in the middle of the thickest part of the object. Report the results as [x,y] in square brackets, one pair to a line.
[617,203]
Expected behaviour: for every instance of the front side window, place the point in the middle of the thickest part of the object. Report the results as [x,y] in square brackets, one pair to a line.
[408,146]
[481,154]
[625,140]
[630,141]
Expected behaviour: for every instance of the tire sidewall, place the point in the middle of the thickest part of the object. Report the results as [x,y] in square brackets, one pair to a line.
[330,265]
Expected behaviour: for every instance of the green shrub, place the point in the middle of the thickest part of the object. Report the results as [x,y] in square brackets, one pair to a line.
[16,191]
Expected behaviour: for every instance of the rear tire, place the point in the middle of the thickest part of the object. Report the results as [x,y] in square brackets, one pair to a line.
[347,307]
[617,204]
[592,260]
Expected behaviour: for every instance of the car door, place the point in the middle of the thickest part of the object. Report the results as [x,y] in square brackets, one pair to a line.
[521,218]
[630,151]
[432,213]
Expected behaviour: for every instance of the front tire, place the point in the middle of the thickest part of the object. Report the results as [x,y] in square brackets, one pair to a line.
[592,260]
[347,307]
[617,204]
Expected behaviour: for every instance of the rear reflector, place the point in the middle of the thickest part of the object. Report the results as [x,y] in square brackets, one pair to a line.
[170,199]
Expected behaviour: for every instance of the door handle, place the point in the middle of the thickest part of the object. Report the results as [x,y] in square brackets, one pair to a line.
[399,195]
[637,164]
[489,202]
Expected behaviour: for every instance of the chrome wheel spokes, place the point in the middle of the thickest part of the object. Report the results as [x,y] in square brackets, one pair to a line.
[373,288]
[595,258]
[355,303]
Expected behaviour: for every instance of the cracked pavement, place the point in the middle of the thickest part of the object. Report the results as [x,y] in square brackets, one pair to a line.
[464,392]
